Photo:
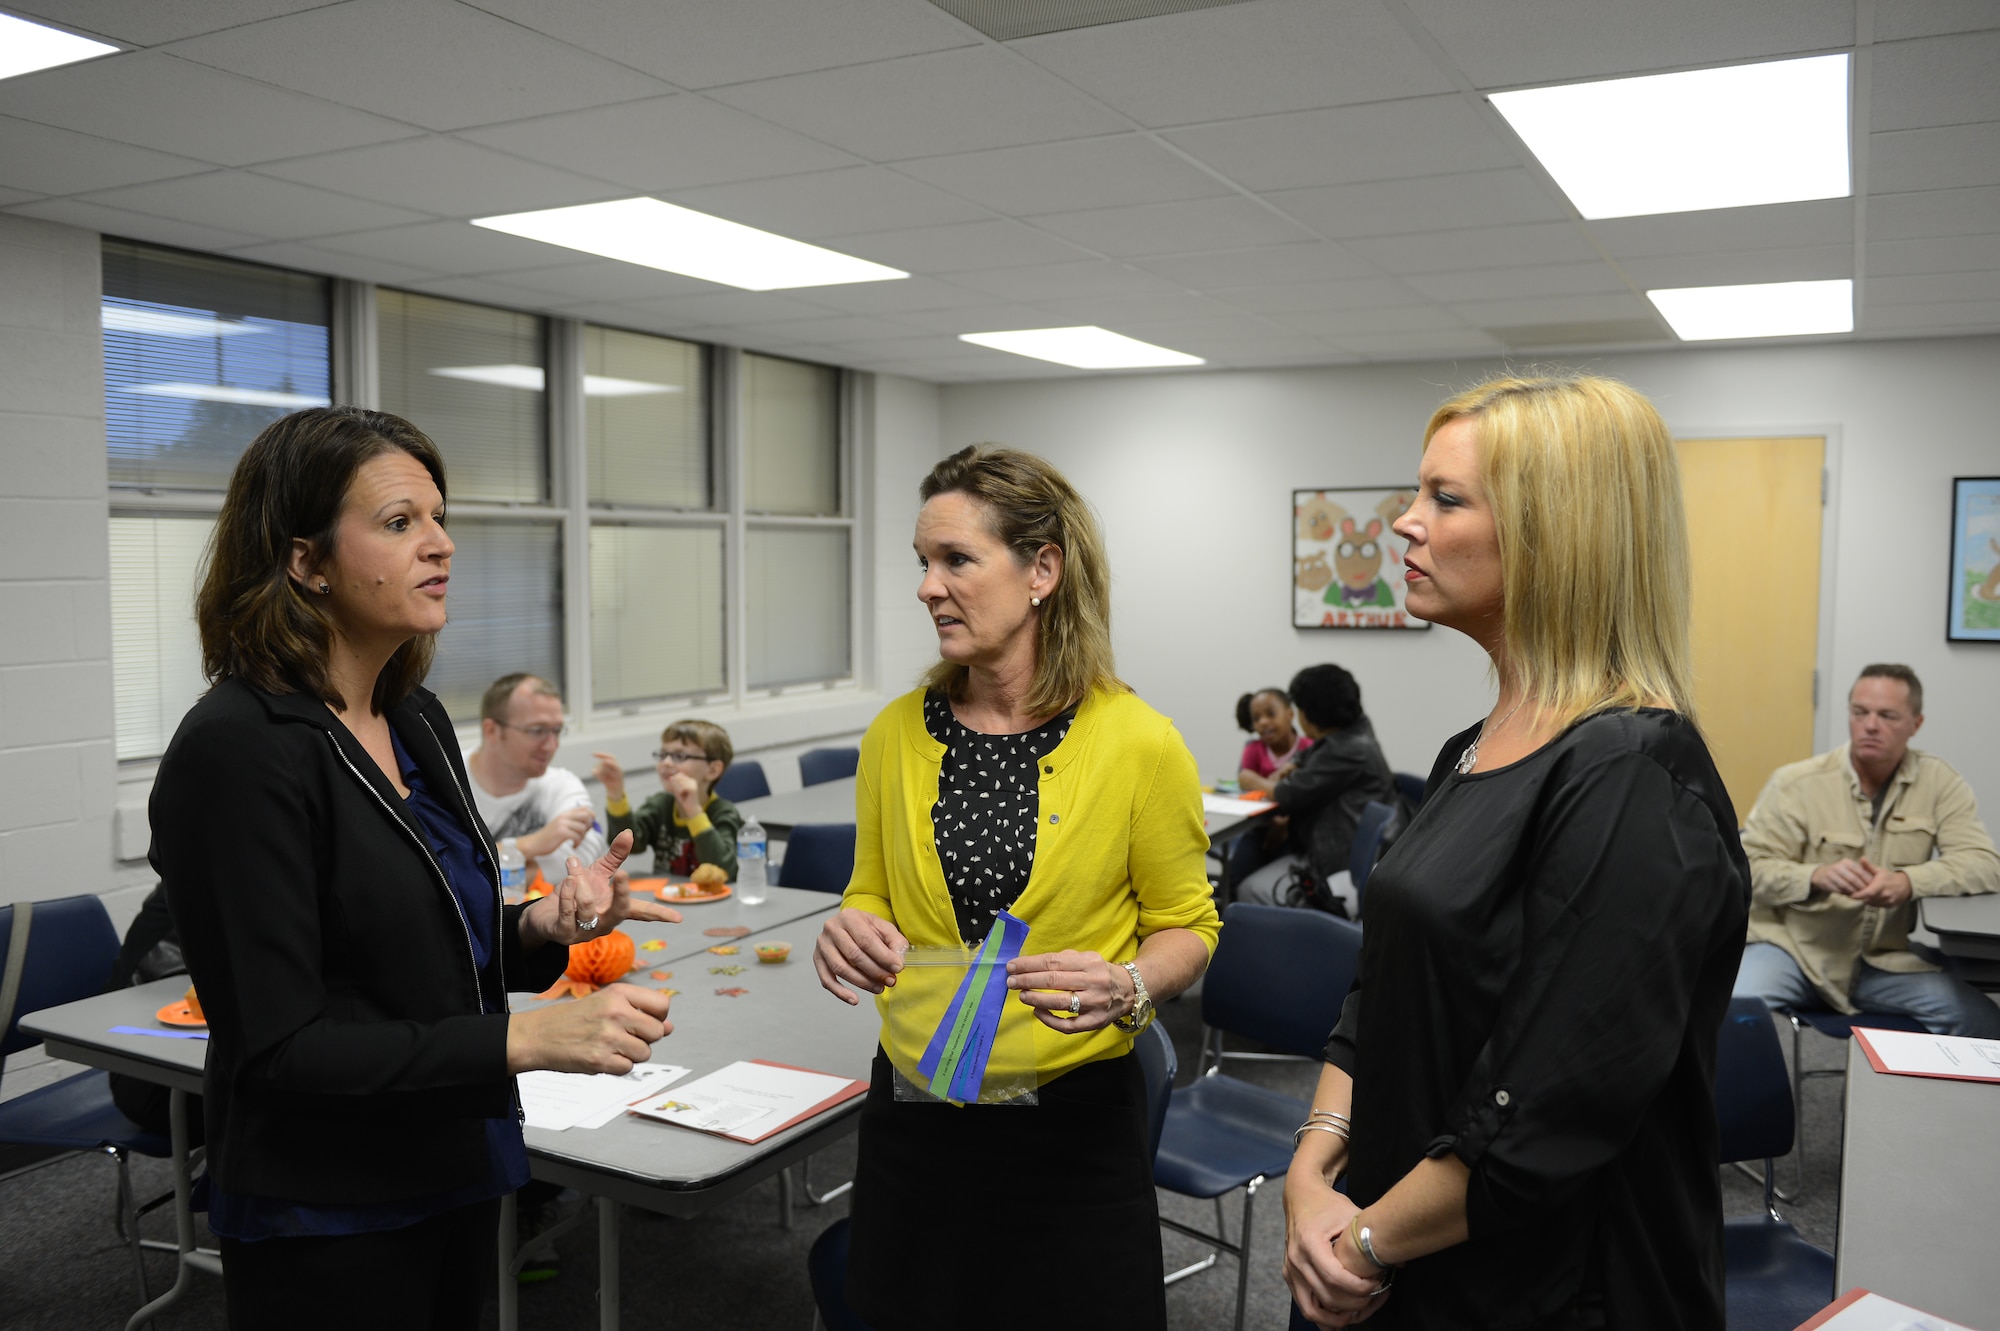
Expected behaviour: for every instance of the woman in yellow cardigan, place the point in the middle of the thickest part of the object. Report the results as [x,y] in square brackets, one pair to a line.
[1024,783]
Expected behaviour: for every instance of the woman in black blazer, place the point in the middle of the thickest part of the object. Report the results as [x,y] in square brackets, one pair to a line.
[339,907]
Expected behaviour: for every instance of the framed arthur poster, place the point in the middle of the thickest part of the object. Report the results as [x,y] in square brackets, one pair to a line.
[1975,560]
[1347,566]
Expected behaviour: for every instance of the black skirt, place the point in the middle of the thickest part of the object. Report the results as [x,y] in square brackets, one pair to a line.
[967,1216]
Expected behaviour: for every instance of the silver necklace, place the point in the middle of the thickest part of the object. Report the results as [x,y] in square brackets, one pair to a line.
[1470,757]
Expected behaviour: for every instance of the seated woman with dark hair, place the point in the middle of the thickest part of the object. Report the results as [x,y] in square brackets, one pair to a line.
[1324,794]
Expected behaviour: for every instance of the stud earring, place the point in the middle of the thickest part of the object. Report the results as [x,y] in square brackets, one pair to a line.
[1034,600]
[325,590]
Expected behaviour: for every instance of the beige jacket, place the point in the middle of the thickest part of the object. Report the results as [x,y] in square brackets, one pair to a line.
[1813,813]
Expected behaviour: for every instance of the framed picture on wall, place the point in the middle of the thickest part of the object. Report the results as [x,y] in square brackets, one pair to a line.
[1347,566]
[1975,560]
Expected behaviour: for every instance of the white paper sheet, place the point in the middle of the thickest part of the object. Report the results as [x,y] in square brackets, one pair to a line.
[559,1101]
[743,1100]
[1920,1054]
[1234,808]
[1872,1312]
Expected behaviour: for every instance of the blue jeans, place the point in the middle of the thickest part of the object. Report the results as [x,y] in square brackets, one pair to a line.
[1943,1004]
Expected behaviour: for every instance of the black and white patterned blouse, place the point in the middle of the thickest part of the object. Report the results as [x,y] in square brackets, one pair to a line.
[989,795]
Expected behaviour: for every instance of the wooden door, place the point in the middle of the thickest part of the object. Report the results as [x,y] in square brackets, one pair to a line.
[1753,509]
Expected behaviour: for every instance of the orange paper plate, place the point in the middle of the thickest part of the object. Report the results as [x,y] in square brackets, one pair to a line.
[178,1013]
[653,885]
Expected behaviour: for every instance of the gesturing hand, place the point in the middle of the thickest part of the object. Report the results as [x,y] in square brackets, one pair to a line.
[1885,888]
[608,1031]
[589,902]
[610,775]
[1090,991]
[859,949]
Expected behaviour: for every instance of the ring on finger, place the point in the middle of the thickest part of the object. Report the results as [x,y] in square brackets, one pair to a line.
[1075,1003]
[588,924]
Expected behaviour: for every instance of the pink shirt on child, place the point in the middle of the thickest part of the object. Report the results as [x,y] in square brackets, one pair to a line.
[1258,758]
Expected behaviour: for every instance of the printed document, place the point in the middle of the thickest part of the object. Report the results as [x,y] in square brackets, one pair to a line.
[559,1101]
[746,1101]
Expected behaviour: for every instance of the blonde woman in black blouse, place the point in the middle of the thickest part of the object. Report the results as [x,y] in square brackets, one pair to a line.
[1520,1090]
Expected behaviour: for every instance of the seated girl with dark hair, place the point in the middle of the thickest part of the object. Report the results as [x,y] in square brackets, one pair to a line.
[1323,795]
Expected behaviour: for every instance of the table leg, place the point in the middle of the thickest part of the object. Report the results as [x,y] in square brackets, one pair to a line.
[607,1264]
[183,1212]
[510,1288]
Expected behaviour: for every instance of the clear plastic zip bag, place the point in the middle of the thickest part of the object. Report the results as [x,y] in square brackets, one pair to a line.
[954,1031]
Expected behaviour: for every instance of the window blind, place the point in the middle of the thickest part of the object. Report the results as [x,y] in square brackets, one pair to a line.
[656,627]
[796,594]
[791,437]
[200,354]
[155,651]
[504,608]
[645,420]
[471,377]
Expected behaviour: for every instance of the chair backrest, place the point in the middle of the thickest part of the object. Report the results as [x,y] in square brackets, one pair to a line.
[743,781]
[1753,1095]
[818,857]
[1368,833]
[71,947]
[1280,975]
[820,765]
[1159,1065]
[1411,788]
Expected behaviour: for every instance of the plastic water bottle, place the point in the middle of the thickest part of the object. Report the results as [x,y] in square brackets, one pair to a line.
[513,868]
[751,875]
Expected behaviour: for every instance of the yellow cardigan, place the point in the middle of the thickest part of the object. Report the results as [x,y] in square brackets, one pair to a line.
[1119,849]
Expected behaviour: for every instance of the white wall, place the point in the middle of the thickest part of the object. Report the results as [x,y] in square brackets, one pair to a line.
[1193,473]
[56,758]
[907,425]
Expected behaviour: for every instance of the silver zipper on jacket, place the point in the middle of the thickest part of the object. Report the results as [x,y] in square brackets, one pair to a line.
[471,955]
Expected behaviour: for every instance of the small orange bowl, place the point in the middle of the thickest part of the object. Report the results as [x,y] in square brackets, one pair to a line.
[773,953]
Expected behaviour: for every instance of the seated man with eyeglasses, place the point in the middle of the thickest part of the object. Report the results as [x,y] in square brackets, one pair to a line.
[544,809]
[686,824]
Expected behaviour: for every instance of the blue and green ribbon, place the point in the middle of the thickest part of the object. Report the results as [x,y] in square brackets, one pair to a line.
[954,1064]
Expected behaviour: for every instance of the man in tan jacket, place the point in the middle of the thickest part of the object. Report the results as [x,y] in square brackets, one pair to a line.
[1840,844]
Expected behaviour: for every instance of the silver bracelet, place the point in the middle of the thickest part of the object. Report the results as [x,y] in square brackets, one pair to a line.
[1304,1128]
[1361,1241]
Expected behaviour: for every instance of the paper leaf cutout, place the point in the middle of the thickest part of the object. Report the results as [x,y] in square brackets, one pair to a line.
[731,993]
[727,931]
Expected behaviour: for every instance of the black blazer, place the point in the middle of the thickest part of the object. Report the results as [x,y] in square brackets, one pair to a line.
[349,1059]
[1325,793]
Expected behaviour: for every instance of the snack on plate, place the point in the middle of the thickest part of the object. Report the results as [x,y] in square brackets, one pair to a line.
[670,891]
[709,876]
[773,953]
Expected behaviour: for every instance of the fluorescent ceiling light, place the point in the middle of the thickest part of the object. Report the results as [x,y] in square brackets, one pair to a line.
[162,323]
[660,235]
[1709,138]
[244,397]
[531,378]
[1087,348]
[26,47]
[1769,309]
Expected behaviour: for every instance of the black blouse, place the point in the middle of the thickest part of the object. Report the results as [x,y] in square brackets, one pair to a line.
[988,797]
[1547,954]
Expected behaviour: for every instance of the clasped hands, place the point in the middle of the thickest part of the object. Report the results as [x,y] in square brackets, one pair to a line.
[1330,1280]
[600,895]
[857,950]
[1862,881]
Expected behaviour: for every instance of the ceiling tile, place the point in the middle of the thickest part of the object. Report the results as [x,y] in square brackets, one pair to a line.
[431,62]
[1095,277]
[945,249]
[1065,177]
[1117,311]
[1406,346]
[1500,43]
[930,346]
[1932,288]
[238,200]
[732,307]
[663,143]
[1962,316]
[827,331]
[1427,203]
[1233,222]
[1797,263]
[151,22]
[1495,246]
[314,259]
[911,293]
[13,196]
[1342,324]
[1556,279]
[1936,255]
[702,45]
[1203,337]
[47,160]
[1422,136]
[992,318]
[1261,267]
[1925,159]
[1605,306]
[156,101]
[927,105]
[442,175]
[830,203]
[1216,64]
[607,279]
[1929,18]
[1940,212]
[1293,297]
[450,247]
[1937,81]
[484,291]
[134,226]
[1820,222]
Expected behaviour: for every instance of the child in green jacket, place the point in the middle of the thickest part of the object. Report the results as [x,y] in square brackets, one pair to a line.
[685,825]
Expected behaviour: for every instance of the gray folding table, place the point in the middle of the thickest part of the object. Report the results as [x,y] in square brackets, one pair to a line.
[827,802]
[1968,930]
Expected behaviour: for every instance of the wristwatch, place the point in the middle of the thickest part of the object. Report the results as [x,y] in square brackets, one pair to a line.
[1141,1014]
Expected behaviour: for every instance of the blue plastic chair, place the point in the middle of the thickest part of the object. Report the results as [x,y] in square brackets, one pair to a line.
[1776,1280]
[1367,847]
[821,765]
[1279,977]
[1160,1066]
[819,857]
[744,780]
[70,950]
[1411,788]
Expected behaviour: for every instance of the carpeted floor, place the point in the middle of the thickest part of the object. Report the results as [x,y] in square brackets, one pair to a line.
[734,1268]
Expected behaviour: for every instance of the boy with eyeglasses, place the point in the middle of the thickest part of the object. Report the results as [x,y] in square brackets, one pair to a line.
[686,824]
[518,794]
